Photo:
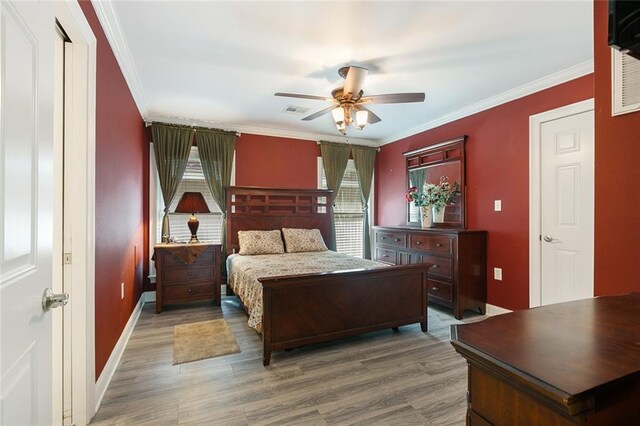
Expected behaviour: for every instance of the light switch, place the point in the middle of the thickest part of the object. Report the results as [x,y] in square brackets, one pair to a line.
[497,205]
[497,274]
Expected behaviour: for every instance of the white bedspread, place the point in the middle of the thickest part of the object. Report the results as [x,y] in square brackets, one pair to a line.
[244,271]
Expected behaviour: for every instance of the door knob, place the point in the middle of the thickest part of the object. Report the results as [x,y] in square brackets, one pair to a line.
[51,300]
[548,238]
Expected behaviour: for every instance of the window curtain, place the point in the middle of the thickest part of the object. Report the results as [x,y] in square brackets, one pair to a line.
[334,161]
[417,176]
[216,148]
[172,145]
[364,158]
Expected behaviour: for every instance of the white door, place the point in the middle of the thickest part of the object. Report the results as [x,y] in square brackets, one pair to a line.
[566,194]
[26,182]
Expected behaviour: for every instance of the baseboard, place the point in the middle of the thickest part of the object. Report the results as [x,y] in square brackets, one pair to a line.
[149,296]
[496,310]
[114,359]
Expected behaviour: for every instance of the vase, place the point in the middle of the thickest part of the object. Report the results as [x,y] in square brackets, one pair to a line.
[438,216]
[426,217]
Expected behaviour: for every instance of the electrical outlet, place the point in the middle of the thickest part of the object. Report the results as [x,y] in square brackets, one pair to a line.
[121,290]
[497,274]
[497,205]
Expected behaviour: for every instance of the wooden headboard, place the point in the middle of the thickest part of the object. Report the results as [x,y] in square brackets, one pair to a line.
[262,209]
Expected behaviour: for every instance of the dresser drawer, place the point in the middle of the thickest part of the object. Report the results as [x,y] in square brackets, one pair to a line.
[395,239]
[171,261]
[188,292]
[442,266]
[432,243]
[441,290]
[179,275]
[385,255]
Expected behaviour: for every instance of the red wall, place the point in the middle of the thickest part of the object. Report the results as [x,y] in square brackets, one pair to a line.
[497,163]
[276,162]
[121,198]
[617,199]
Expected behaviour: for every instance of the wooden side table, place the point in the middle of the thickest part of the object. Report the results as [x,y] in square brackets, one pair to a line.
[187,273]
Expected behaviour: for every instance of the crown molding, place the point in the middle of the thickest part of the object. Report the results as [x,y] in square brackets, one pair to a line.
[263,131]
[551,80]
[112,30]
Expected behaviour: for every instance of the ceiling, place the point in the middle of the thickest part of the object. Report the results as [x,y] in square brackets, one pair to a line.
[219,63]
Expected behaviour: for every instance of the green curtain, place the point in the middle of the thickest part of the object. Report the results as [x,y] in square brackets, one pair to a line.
[334,161]
[171,145]
[216,150]
[364,158]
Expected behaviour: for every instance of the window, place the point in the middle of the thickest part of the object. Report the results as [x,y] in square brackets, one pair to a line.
[348,215]
[210,228]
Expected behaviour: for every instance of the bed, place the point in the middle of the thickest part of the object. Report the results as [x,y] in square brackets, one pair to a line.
[303,308]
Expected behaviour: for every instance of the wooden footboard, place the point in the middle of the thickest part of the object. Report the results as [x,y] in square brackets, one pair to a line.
[304,309]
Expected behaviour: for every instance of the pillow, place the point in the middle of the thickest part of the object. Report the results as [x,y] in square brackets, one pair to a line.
[260,242]
[298,240]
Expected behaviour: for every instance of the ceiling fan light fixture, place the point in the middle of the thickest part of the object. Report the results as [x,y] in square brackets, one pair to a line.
[338,116]
[362,116]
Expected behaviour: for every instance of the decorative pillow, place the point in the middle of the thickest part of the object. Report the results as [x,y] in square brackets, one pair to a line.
[260,242]
[298,240]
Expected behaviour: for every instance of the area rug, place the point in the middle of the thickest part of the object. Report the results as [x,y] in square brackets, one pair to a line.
[201,340]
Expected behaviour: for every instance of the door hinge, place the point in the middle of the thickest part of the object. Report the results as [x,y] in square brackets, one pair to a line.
[67,259]
[540,237]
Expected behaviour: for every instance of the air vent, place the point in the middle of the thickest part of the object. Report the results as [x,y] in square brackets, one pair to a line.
[293,109]
[626,83]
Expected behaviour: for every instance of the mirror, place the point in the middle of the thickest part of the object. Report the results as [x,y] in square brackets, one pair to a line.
[429,165]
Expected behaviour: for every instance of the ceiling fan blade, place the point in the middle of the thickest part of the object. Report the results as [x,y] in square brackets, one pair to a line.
[295,95]
[318,114]
[354,80]
[393,98]
[372,118]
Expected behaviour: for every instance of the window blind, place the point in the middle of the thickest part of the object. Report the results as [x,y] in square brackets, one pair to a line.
[210,228]
[348,215]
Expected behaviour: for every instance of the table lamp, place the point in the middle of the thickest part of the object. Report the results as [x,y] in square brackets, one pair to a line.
[192,202]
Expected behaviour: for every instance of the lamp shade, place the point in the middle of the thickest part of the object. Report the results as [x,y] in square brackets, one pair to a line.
[192,202]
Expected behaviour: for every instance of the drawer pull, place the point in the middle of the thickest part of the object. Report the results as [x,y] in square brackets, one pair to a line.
[190,290]
[435,266]
[438,244]
[418,242]
[434,288]
[385,255]
[189,274]
[397,239]
[383,238]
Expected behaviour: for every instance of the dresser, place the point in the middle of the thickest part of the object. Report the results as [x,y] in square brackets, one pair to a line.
[564,364]
[457,279]
[187,273]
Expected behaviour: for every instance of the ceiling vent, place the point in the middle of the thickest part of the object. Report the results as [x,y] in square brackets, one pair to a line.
[294,109]
[626,83]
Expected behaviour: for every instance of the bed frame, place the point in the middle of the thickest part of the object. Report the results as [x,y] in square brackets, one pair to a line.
[311,308]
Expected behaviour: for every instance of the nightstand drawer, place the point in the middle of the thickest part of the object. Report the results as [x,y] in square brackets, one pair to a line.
[385,255]
[436,244]
[172,261]
[396,239]
[440,290]
[188,292]
[174,276]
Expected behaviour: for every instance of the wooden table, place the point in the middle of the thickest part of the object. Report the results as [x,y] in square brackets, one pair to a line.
[570,363]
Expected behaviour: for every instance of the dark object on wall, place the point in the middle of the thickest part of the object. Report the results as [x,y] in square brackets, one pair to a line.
[624,26]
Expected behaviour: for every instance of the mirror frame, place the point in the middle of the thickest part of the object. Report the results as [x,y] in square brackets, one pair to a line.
[443,152]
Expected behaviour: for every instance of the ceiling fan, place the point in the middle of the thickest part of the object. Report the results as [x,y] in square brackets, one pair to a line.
[349,101]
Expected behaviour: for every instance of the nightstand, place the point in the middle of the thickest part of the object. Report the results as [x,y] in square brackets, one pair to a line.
[187,273]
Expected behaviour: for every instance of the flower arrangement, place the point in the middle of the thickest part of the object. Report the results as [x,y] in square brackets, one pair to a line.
[437,196]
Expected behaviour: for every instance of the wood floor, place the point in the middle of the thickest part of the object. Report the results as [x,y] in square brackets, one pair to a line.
[402,378]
